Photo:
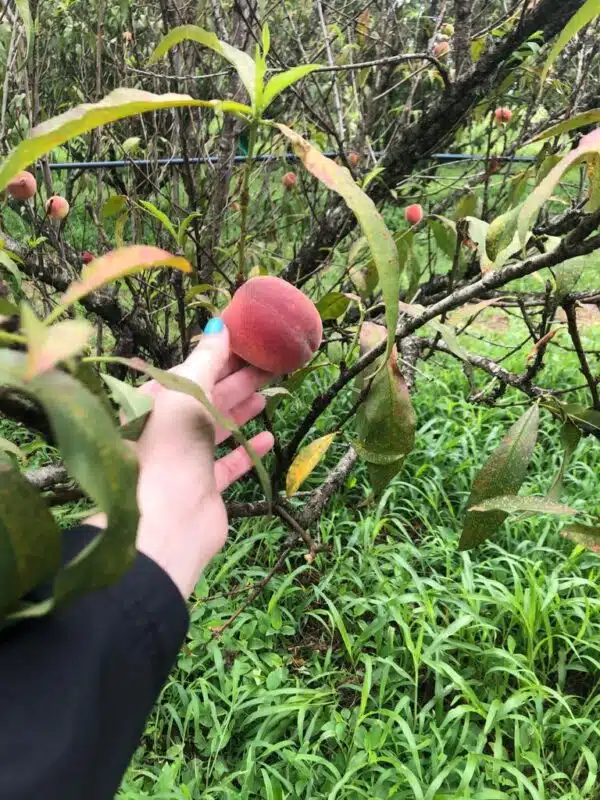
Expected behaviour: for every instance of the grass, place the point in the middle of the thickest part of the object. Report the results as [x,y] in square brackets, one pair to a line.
[395,666]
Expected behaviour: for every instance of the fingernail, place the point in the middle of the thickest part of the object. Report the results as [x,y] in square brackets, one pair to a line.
[214,325]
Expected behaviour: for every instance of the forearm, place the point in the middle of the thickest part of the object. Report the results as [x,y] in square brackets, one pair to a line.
[77,686]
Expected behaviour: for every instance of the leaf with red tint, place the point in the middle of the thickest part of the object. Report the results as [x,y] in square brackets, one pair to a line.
[118,264]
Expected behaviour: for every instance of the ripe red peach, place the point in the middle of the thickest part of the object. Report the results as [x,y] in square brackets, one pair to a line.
[441,49]
[57,207]
[413,214]
[289,180]
[503,115]
[273,325]
[23,186]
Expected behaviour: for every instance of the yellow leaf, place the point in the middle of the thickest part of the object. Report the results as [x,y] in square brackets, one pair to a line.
[380,240]
[119,263]
[305,462]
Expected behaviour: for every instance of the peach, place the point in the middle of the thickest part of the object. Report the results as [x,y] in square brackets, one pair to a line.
[289,180]
[57,207]
[87,257]
[23,186]
[353,159]
[413,214]
[503,115]
[447,29]
[272,325]
[441,49]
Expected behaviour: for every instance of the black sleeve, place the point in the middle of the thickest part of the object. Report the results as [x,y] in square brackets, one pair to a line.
[77,685]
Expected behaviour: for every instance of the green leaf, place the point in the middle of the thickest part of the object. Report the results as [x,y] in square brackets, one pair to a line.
[567,275]
[112,206]
[10,447]
[55,343]
[117,105]
[243,63]
[305,462]
[532,504]
[570,124]
[30,541]
[466,206]
[502,238]
[478,231]
[131,401]
[7,308]
[380,475]
[333,305]
[278,83]
[587,419]
[118,264]
[502,474]
[178,383]
[184,225]
[569,436]
[381,242]
[25,14]
[98,459]
[585,535]
[588,145]
[159,215]
[266,39]
[385,420]
[444,233]
[7,262]
[586,14]
[451,339]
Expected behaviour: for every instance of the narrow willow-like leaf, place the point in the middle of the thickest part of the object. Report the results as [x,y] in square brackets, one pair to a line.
[579,20]
[571,124]
[119,263]
[305,462]
[98,459]
[178,383]
[243,63]
[531,504]
[30,542]
[159,215]
[132,403]
[25,14]
[278,83]
[380,240]
[589,145]
[570,436]
[117,105]
[502,474]
[385,421]
[584,535]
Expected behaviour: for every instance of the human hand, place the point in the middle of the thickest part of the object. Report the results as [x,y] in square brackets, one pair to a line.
[183,520]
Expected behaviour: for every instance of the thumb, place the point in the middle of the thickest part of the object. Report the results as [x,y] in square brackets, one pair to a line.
[207,360]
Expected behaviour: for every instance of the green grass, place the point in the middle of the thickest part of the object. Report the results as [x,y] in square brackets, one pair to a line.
[395,666]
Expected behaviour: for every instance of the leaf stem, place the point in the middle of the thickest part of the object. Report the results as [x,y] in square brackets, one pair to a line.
[244,201]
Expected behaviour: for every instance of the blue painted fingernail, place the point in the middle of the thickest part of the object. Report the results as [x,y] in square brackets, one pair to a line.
[214,325]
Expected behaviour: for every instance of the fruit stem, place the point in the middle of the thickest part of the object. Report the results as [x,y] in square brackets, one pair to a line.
[244,201]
